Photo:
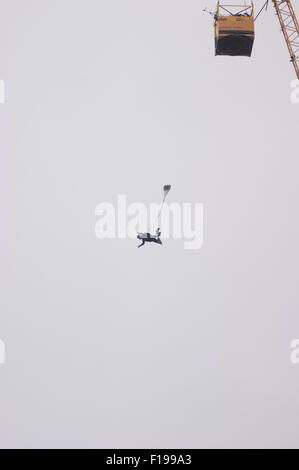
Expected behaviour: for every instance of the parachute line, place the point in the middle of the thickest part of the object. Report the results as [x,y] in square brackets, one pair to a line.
[166,189]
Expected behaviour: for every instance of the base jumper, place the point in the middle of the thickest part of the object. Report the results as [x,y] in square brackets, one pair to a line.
[147,237]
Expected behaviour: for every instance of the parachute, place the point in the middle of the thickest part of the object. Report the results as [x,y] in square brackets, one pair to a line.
[166,189]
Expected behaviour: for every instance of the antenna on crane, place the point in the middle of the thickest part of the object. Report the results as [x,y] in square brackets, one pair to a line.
[212,13]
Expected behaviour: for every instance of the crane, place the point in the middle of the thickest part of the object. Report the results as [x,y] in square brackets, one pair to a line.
[290,28]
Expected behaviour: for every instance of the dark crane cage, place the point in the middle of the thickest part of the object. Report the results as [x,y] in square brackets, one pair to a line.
[234,30]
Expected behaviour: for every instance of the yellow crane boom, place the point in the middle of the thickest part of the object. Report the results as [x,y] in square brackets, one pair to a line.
[290,28]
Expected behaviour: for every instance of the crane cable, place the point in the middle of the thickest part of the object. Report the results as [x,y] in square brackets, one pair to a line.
[264,6]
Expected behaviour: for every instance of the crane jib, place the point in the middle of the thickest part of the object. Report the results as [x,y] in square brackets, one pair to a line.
[290,28]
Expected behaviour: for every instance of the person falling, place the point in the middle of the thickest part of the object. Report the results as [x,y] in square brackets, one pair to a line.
[147,237]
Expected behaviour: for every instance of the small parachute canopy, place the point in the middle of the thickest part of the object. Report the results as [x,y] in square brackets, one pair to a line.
[166,189]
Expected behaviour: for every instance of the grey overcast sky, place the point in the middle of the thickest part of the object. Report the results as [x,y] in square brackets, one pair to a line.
[108,346]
